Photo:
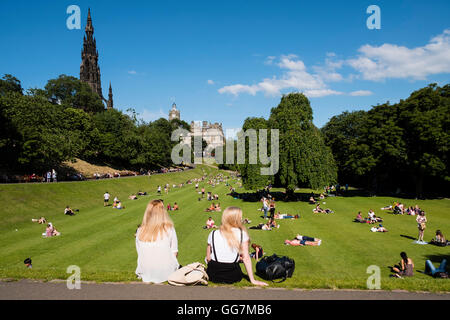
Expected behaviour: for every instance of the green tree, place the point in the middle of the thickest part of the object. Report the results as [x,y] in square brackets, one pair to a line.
[251,173]
[71,92]
[303,154]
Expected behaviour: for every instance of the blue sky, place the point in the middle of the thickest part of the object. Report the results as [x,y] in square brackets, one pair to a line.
[223,61]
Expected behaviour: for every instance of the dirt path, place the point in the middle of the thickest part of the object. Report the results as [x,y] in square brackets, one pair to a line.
[57,290]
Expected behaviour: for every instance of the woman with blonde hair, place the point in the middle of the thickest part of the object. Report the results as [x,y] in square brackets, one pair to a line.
[156,245]
[226,247]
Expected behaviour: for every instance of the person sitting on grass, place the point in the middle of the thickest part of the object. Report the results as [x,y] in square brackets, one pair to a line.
[246,221]
[373,218]
[405,267]
[359,218]
[175,206]
[211,208]
[119,205]
[27,263]
[226,248]
[312,200]
[41,220]
[272,223]
[210,224]
[300,240]
[68,211]
[169,207]
[217,207]
[439,240]
[258,252]
[379,229]
[318,209]
[51,231]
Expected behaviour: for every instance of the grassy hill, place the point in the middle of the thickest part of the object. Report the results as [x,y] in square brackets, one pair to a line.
[101,240]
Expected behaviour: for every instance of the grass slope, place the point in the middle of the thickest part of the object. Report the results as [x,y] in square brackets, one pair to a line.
[101,240]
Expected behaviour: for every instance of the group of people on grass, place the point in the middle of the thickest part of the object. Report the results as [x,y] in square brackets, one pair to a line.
[214,207]
[227,246]
[399,208]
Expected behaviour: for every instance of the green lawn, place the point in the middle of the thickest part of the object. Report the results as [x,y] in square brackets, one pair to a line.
[101,240]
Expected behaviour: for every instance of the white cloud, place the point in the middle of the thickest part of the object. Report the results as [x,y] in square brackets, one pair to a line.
[294,77]
[210,82]
[132,72]
[269,60]
[393,61]
[361,93]
[150,115]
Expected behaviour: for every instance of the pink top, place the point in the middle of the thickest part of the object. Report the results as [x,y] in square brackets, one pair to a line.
[49,231]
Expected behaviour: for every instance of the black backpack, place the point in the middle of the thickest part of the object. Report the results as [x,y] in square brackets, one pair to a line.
[275,267]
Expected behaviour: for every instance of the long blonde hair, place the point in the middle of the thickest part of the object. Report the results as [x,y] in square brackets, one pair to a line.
[156,221]
[232,218]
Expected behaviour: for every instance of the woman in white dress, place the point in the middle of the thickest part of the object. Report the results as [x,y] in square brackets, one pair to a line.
[156,245]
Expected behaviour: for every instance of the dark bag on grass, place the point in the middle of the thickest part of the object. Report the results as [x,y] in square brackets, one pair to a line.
[441,275]
[275,267]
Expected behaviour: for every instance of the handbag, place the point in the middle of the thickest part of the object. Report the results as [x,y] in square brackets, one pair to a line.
[189,275]
[275,267]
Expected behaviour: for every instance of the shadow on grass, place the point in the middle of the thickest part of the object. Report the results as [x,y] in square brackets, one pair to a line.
[408,237]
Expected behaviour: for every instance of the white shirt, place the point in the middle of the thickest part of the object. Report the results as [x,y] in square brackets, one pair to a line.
[157,260]
[223,250]
[106,195]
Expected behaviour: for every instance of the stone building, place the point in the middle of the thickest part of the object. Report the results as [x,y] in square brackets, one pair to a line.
[174,113]
[89,68]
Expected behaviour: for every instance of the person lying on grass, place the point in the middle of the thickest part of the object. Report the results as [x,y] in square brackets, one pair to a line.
[300,240]
[280,216]
[133,197]
[379,229]
[262,226]
[217,207]
[246,221]
[51,231]
[142,193]
[405,268]
[175,206]
[318,209]
[41,220]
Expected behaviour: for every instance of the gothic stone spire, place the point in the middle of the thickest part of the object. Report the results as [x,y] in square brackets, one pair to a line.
[110,103]
[89,68]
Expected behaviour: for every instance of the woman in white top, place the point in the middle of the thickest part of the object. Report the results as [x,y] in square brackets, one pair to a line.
[156,245]
[226,247]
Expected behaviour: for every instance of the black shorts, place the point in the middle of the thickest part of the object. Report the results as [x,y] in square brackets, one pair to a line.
[220,272]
